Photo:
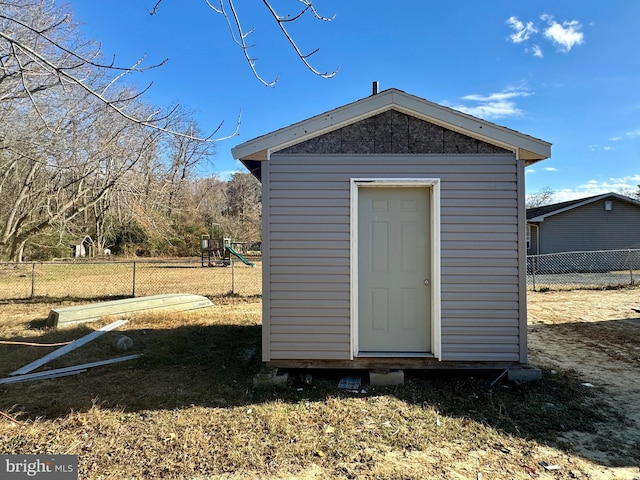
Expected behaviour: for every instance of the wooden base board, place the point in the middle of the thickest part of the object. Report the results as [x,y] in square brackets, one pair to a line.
[408,363]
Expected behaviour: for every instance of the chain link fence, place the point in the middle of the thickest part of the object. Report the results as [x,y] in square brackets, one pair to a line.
[93,279]
[571,270]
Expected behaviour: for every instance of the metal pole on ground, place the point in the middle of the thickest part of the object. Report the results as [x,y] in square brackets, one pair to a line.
[533,272]
[133,289]
[33,279]
[233,276]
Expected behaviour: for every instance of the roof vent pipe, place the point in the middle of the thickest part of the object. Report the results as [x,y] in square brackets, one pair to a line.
[374,88]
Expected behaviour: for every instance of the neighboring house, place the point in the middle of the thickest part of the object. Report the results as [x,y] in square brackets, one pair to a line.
[602,222]
[393,237]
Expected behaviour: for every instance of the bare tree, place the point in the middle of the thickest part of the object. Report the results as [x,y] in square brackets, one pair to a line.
[70,134]
[183,155]
[240,36]
[540,198]
[41,49]
[244,206]
[76,147]
[209,196]
[55,178]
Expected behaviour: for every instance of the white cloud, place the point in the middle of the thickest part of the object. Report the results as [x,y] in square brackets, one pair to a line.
[551,169]
[529,170]
[564,36]
[630,178]
[603,148]
[226,175]
[522,32]
[567,194]
[494,105]
[629,134]
[626,185]
[633,134]
[509,92]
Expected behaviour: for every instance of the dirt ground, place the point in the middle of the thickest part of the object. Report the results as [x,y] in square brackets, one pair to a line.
[593,333]
[596,334]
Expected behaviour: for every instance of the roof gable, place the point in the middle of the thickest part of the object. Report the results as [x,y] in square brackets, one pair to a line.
[538,214]
[527,148]
[392,132]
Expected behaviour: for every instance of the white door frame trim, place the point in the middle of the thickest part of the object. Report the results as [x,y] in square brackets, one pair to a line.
[433,184]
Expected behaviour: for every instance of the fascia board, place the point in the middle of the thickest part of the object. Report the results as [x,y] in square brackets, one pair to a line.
[623,198]
[541,218]
[315,126]
[473,126]
[367,107]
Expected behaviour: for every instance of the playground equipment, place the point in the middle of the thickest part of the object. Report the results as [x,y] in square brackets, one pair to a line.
[231,251]
[217,251]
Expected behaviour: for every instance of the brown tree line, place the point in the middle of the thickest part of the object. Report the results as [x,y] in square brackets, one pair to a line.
[82,153]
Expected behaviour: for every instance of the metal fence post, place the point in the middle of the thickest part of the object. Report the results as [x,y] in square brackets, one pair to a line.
[133,288]
[33,279]
[233,277]
[630,268]
[533,272]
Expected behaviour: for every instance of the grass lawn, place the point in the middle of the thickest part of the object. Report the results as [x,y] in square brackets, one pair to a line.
[90,280]
[188,409]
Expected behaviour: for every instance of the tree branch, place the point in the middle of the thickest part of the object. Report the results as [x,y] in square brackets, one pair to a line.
[281,23]
[239,36]
[62,73]
[83,60]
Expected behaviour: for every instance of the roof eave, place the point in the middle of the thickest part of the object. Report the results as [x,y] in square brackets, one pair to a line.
[527,148]
[312,127]
[587,201]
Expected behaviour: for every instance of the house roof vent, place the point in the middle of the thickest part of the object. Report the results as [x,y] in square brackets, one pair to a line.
[374,88]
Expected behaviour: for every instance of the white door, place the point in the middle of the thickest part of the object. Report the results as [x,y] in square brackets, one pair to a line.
[393,270]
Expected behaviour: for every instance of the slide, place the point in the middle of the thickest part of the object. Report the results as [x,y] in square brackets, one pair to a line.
[242,259]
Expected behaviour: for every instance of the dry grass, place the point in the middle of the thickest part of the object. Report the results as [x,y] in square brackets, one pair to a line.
[116,278]
[188,409]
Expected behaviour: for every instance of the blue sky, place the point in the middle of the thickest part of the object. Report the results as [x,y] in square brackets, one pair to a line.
[566,72]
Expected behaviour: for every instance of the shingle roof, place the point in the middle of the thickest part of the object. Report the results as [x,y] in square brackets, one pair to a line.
[545,209]
[539,213]
[530,149]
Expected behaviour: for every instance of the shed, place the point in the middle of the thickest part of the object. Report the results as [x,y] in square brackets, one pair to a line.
[609,221]
[86,248]
[393,237]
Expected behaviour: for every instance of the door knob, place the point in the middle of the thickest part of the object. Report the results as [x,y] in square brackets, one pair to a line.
[426,281]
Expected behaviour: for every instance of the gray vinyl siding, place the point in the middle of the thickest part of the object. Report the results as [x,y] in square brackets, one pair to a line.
[590,227]
[307,223]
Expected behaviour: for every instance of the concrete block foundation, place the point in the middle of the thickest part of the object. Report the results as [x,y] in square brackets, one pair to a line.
[386,377]
[524,374]
[271,378]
